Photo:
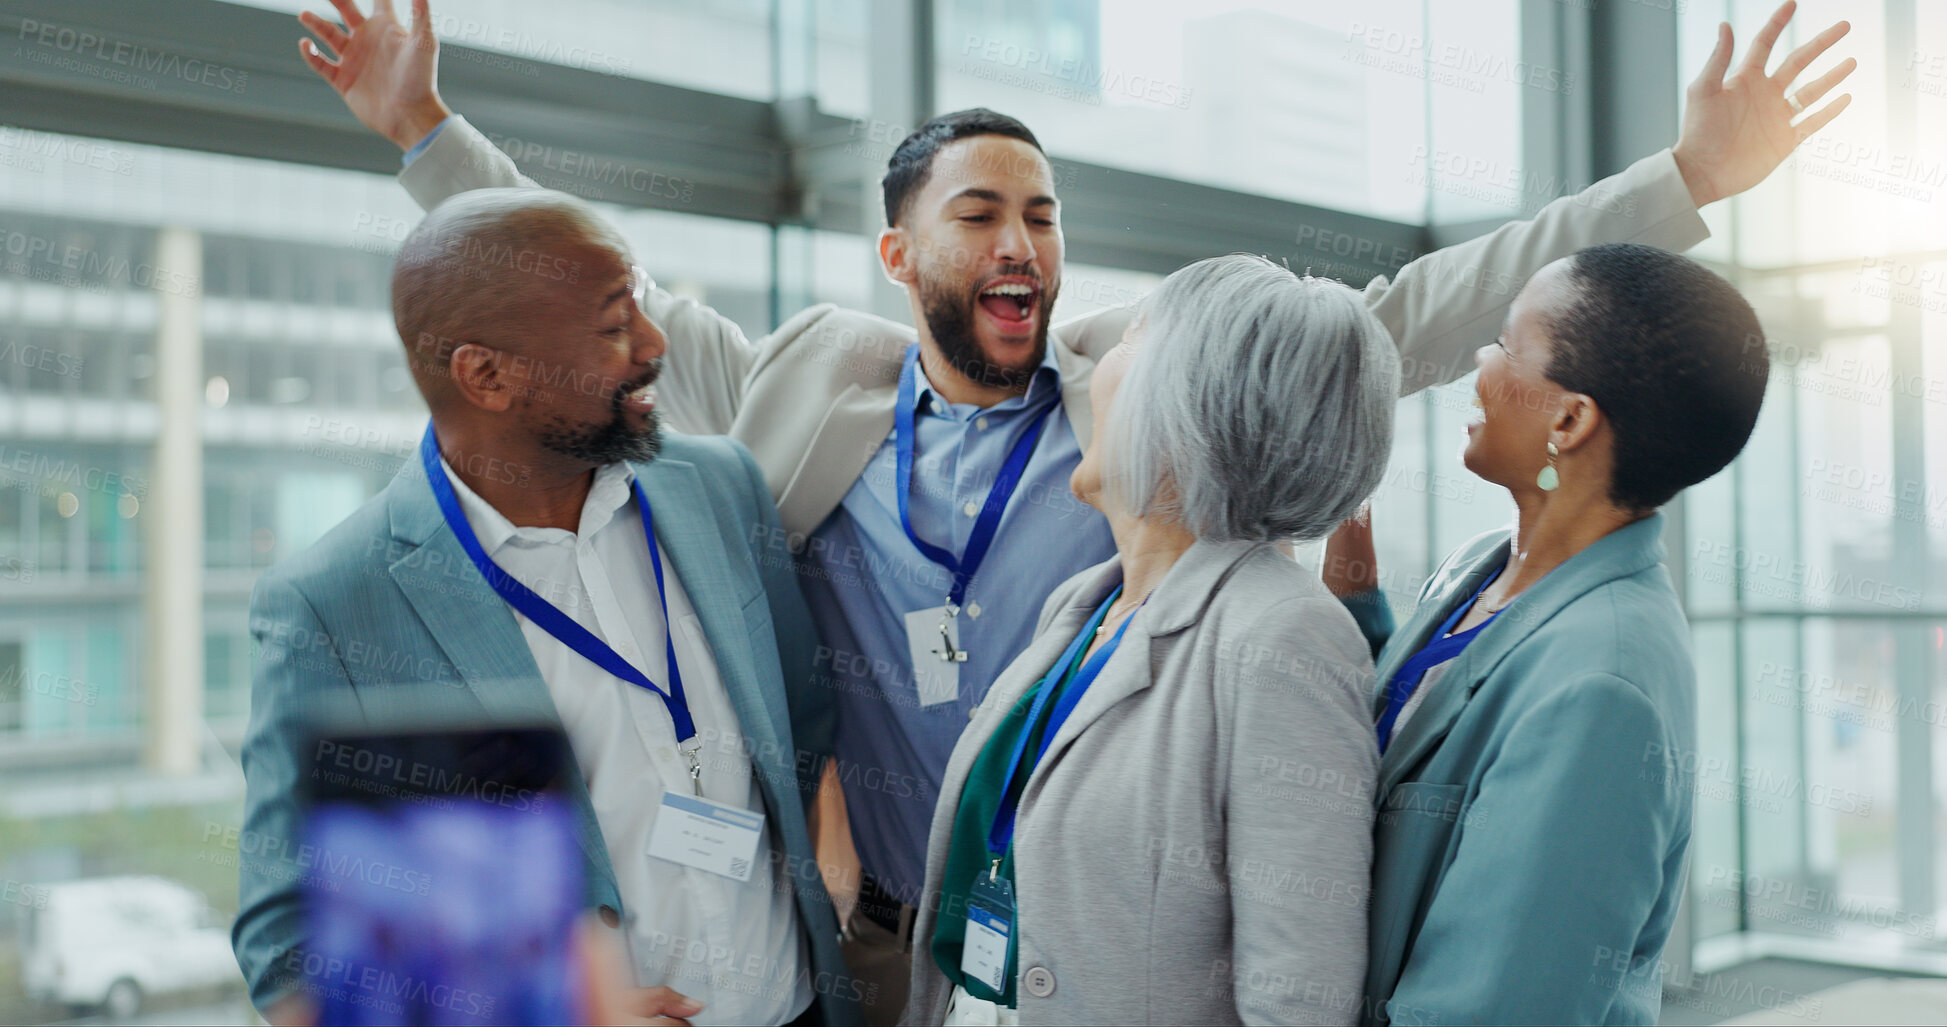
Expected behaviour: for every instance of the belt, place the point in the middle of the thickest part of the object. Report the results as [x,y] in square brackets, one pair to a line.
[878,905]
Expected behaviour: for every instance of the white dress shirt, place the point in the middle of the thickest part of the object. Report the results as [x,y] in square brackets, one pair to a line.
[734,946]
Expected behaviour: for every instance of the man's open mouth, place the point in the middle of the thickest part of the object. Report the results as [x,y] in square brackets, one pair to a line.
[641,398]
[1011,300]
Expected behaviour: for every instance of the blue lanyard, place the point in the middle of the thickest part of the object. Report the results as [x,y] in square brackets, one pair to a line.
[1001,835]
[962,568]
[1444,647]
[553,621]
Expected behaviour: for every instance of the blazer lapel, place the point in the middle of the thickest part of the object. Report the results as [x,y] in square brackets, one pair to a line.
[472,624]
[1430,723]
[477,632]
[688,533]
[1619,554]
[1021,676]
[1436,713]
[1177,603]
[857,423]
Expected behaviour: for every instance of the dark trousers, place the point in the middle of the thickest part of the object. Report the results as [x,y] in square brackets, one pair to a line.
[878,949]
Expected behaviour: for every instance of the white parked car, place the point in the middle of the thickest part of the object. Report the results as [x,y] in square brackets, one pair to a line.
[110,942]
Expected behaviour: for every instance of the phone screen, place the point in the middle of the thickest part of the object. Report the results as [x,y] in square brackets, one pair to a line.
[445,879]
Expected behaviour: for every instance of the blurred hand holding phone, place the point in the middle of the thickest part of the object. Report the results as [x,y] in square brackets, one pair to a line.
[446,886]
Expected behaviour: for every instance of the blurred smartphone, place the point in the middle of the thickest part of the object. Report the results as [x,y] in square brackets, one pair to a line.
[444,878]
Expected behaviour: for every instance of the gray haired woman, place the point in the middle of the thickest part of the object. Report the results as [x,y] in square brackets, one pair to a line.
[1161,811]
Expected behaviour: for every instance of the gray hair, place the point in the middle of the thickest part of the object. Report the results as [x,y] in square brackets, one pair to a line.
[1259,406]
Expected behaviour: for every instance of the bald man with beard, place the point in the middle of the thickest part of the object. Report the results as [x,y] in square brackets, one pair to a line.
[547,522]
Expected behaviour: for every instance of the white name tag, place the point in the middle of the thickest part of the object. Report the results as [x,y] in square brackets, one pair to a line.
[696,832]
[938,680]
[983,956]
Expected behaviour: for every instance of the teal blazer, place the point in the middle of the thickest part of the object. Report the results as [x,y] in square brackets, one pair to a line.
[1529,843]
[388,604]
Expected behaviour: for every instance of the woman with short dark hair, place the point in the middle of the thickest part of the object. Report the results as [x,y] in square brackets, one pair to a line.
[1535,713]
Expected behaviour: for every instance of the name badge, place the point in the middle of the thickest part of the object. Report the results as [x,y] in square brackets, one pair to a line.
[937,678]
[990,934]
[712,836]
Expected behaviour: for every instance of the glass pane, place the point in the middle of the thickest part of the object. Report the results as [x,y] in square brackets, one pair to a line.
[13,682]
[720,45]
[1298,101]
[1926,499]
[822,267]
[1851,784]
[1087,288]
[1475,84]
[1696,36]
[1715,851]
[840,69]
[1921,71]
[306,411]
[1841,195]
[722,264]
[1930,720]
[1845,443]
[1710,526]
[1818,784]
[226,666]
[1762,784]
[1836,505]
[1405,502]
[1466,506]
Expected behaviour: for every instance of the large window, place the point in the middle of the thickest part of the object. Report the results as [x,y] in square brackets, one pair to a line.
[305,411]
[723,46]
[1810,569]
[1814,566]
[1310,102]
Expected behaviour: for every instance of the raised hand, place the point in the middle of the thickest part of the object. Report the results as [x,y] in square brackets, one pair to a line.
[387,72]
[1737,130]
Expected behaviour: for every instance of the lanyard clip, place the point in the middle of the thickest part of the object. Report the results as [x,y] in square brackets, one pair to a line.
[696,767]
[948,652]
[994,872]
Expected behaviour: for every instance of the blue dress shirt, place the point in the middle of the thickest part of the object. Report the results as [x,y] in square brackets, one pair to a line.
[862,575]
[412,154]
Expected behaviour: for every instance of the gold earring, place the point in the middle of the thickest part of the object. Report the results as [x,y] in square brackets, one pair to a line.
[1548,480]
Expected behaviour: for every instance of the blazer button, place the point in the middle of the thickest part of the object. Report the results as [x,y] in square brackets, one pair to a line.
[609,916]
[1040,981]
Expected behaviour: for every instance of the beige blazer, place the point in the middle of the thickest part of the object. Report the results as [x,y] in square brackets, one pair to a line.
[1195,847]
[814,399]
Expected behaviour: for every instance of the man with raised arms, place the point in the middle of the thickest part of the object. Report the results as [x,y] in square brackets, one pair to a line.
[921,474]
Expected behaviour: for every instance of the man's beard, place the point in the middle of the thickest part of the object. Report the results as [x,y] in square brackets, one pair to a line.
[949,310]
[614,441]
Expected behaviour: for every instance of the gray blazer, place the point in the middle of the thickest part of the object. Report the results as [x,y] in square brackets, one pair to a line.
[1195,847]
[814,399]
[388,600]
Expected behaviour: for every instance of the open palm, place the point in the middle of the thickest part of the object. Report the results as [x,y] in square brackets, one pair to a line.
[387,71]
[1737,130]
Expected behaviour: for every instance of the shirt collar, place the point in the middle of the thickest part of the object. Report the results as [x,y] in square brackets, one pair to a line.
[1046,381]
[611,491]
